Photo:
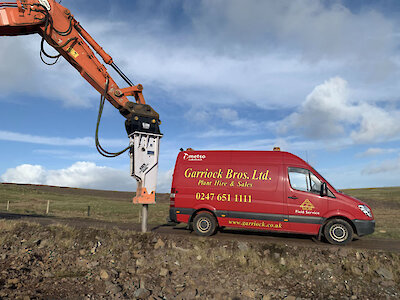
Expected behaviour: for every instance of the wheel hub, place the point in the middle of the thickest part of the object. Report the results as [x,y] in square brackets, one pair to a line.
[204,225]
[338,233]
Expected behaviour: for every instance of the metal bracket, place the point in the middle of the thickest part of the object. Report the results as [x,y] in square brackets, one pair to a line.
[144,165]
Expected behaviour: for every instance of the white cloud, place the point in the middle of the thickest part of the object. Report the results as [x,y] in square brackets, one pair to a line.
[164,181]
[212,58]
[197,114]
[329,112]
[376,151]
[377,124]
[228,114]
[387,166]
[58,141]
[58,83]
[290,144]
[69,155]
[324,112]
[221,133]
[14,64]
[35,139]
[224,122]
[81,175]
[343,176]
[318,28]
[265,53]
[25,173]
[268,53]
[372,152]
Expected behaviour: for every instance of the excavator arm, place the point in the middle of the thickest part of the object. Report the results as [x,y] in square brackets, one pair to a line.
[58,27]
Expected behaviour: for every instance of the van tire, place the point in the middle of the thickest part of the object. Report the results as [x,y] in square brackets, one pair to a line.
[204,224]
[338,232]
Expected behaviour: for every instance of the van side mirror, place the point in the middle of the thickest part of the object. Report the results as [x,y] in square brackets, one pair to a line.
[324,189]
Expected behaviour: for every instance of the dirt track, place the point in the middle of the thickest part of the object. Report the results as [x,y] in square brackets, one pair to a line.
[227,234]
[251,236]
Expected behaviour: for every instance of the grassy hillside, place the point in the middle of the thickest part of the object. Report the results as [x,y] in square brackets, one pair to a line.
[117,206]
[385,203]
[71,203]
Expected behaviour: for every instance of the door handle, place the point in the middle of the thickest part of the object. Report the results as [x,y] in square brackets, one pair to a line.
[293,197]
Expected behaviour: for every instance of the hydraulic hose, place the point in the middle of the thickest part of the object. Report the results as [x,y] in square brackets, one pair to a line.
[99,148]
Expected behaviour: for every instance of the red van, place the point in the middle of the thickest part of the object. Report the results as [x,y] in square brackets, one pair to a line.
[268,190]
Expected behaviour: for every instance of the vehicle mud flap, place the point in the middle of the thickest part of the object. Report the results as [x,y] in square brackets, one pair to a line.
[319,236]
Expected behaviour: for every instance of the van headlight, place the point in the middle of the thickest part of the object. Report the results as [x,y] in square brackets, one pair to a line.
[365,210]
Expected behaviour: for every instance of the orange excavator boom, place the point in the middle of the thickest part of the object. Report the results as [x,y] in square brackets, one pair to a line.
[58,27]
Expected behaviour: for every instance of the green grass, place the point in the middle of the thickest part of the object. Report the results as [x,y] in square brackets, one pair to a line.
[385,204]
[118,207]
[33,200]
[380,197]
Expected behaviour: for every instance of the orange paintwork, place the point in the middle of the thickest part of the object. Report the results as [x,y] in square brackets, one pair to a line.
[20,18]
[142,197]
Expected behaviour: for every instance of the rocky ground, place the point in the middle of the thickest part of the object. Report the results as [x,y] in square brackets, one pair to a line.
[61,262]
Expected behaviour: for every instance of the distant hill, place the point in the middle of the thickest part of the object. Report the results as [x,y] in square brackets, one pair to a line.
[112,195]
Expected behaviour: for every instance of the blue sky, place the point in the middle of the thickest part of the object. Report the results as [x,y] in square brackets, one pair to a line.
[320,79]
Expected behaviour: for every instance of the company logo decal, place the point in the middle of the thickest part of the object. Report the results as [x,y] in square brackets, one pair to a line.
[307,208]
[222,178]
[194,157]
[307,205]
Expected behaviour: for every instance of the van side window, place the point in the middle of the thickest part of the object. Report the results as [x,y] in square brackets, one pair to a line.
[303,180]
[299,179]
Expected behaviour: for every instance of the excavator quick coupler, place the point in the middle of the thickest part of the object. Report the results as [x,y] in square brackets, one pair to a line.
[143,118]
[142,124]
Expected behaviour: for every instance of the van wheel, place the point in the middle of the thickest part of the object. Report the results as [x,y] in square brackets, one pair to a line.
[204,224]
[338,232]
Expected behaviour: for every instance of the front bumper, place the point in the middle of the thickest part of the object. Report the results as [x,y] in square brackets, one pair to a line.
[364,227]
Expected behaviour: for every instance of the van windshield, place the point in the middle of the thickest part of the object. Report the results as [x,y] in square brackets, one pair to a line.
[315,183]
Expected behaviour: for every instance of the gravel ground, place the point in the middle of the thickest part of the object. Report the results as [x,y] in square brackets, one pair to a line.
[62,262]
